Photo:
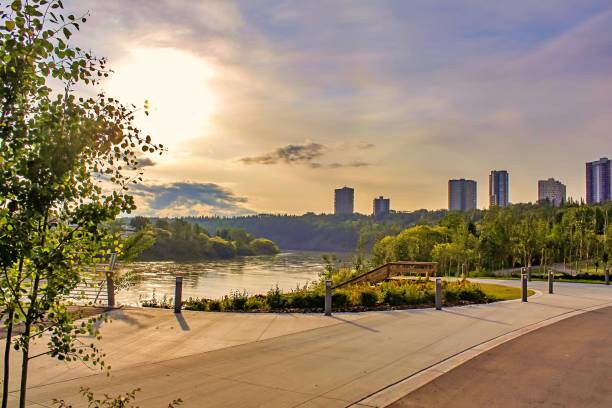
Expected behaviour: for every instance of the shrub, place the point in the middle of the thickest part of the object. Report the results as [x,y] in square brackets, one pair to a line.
[296,300]
[412,295]
[214,306]
[255,303]
[392,294]
[368,297]
[235,301]
[340,299]
[472,293]
[197,304]
[274,298]
[315,300]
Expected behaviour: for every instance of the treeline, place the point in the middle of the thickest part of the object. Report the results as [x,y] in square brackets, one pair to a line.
[503,238]
[321,232]
[178,239]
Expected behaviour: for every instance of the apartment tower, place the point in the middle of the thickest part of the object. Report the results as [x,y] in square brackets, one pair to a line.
[381,207]
[462,195]
[598,181]
[344,201]
[499,188]
[551,191]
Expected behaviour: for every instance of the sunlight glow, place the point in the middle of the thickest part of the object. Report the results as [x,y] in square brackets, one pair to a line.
[175,83]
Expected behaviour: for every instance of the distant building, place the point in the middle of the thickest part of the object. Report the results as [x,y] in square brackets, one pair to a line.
[598,181]
[499,188]
[462,195]
[382,207]
[551,191]
[344,201]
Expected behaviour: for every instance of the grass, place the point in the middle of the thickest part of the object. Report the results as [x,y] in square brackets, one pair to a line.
[501,292]
[558,278]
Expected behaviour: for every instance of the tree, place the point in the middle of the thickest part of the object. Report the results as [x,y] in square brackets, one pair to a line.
[67,163]
[263,246]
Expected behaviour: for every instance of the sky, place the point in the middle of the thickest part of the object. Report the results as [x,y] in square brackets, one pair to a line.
[267,106]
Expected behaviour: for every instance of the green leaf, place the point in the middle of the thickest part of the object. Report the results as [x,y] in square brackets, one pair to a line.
[67,32]
[10,25]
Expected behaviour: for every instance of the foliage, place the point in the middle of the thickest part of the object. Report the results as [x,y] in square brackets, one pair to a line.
[392,294]
[321,232]
[519,235]
[177,239]
[120,401]
[67,163]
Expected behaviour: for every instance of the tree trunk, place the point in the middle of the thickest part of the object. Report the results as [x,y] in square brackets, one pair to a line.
[7,355]
[24,367]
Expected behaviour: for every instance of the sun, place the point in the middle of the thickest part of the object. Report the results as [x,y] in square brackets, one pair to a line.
[177,86]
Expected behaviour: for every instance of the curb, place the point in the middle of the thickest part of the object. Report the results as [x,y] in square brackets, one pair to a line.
[400,389]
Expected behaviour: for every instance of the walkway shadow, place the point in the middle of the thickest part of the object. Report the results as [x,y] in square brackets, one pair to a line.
[355,324]
[182,322]
[476,318]
[124,316]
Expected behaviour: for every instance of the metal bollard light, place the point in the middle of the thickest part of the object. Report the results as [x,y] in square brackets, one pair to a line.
[328,298]
[524,287]
[438,294]
[110,290]
[607,275]
[178,294]
[551,279]
[529,272]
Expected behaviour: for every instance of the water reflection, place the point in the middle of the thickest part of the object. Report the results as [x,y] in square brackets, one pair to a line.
[214,279]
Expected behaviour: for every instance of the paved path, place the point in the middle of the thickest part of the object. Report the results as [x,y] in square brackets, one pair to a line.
[567,364]
[234,360]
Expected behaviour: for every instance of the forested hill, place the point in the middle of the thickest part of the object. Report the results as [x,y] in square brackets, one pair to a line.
[321,232]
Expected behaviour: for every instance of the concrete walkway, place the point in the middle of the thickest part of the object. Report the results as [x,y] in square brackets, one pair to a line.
[250,360]
[567,364]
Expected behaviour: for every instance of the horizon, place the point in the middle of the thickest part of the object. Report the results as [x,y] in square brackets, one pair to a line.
[267,107]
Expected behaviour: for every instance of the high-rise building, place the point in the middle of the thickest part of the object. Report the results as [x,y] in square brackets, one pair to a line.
[551,191]
[499,188]
[382,206]
[598,181]
[462,195]
[344,200]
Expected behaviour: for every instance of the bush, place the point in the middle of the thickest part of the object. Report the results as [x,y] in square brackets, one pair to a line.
[200,305]
[472,293]
[296,300]
[214,306]
[274,298]
[235,301]
[315,300]
[463,291]
[255,303]
[392,293]
[340,299]
[368,297]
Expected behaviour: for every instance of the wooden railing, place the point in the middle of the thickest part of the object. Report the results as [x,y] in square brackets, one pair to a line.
[392,269]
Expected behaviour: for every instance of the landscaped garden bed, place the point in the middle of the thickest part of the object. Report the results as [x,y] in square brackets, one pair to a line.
[418,293]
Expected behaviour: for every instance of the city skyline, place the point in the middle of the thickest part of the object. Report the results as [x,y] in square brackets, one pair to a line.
[261,104]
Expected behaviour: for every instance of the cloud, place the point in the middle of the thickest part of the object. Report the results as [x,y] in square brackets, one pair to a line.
[185,198]
[290,154]
[306,153]
[144,162]
[365,146]
[356,164]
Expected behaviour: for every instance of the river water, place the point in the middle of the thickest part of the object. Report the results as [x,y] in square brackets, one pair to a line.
[214,279]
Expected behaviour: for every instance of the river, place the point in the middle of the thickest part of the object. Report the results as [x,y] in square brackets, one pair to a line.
[214,279]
